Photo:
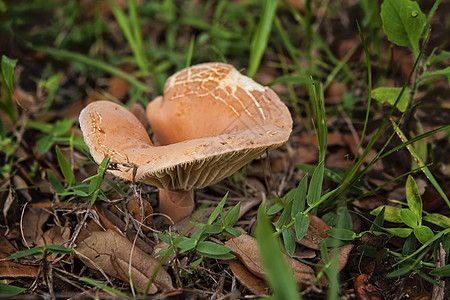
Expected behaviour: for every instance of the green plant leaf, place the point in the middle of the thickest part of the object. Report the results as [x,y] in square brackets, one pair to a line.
[401,232]
[65,167]
[315,186]
[390,95]
[281,282]
[423,233]
[289,240]
[391,213]
[443,271]
[438,219]
[400,272]
[208,247]
[10,290]
[54,181]
[444,72]
[434,59]
[379,220]
[32,251]
[216,212]
[285,217]
[231,216]
[301,225]
[7,79]
[59,249]
[106,288]
[298,204]
[403,23]
[261,36]
[186,244]
[413,198]
[341,234]
[408,217]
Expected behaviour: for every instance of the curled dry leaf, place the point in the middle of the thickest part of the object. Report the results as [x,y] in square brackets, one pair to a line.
[142,211]
[364,289]
[111,252]
[315,233]
[253,283]
[343,254]
[246,250]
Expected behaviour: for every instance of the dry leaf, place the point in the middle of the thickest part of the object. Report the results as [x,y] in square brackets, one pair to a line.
[142,211]
[246,250]
[364,289]
[110,252]
[33,220]
[253,283]
[315,233]
[11,269]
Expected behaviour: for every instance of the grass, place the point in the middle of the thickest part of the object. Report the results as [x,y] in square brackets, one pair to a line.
[280,45]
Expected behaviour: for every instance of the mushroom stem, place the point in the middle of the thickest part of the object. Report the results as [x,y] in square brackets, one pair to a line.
[176,204]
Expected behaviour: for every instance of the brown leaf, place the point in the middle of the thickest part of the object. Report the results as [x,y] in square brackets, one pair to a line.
[343,254]
[33,220]
[11,269]
[364,289]
[246,250]
[254,284]
[315,233]
[142,211]
[110,252]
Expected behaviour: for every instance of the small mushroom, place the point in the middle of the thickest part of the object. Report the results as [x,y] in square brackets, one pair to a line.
[211,121]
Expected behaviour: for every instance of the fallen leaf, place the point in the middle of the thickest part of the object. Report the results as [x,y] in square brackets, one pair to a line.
[315,233]
[246,250]
[253,283]
[33,220]
[11,269]
[364,289]
[142,211]
[110,252]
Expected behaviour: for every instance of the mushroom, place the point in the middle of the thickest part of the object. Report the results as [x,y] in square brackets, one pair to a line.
[211,121]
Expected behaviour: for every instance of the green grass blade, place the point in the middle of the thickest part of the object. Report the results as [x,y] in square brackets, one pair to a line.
[421,164]
[106,288]
[261,36]
[281,282]
[63,54]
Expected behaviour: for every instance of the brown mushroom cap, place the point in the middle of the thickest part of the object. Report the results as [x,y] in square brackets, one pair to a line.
[204,135]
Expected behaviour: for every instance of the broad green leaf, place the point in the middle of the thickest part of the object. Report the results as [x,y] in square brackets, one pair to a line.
[390,95]
[345,220]
[409,246]
[413,198]
[187,244]
[438,219]
[391,213]
[232,231]
[65,167]
[285,217]
[216,212]
[208,247]
[379,220]
[44,144]
[315,186]
[443,271]
[408,217]
[213,228]
[298,204]
[403,23]
[54,181]
[276,208]
[9,290]
[423,233]
[341,234]
[401,232]
[400,272]
[231,216]
[301,225]
[289,240]
[281,282]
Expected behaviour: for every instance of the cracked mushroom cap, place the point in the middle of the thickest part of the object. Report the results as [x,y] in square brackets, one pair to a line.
[211,122]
